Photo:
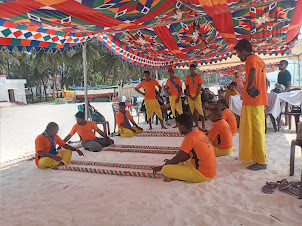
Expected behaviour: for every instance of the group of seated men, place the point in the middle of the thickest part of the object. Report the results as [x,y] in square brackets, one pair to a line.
[196,160]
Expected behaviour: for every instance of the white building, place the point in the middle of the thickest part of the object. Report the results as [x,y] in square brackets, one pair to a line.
[12,90]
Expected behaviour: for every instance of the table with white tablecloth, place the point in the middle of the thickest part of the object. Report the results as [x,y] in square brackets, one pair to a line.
[293,98]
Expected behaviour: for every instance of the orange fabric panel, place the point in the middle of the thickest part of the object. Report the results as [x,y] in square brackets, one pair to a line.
[221,135]
[254,61]
[201,151]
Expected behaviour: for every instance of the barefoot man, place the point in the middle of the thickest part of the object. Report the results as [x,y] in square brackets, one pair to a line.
[193,88]
[252,120]
[123,119]
[173,88]
[86,130]
[196,161]
[151,99]
[47,155]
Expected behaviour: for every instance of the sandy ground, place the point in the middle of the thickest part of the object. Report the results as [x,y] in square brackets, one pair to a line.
[47,197]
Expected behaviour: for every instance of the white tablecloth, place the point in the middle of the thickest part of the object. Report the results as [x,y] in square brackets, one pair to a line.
[235,105]
[293,97]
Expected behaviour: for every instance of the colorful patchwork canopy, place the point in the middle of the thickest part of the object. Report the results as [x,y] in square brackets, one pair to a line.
[153,34]
[240,69]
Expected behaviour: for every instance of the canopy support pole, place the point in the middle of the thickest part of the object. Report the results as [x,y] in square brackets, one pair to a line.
[156,74]
[85,79]
[299,73]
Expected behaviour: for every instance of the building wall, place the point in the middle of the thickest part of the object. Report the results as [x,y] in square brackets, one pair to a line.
[18,85]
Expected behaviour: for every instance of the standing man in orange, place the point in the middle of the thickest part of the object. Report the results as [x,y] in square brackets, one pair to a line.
[173,88]
[252,120]
[193,87]
[151,99]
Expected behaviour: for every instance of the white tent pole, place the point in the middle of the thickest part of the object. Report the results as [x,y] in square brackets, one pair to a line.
[299,73]
[156,74]
[294,74]
[85,79]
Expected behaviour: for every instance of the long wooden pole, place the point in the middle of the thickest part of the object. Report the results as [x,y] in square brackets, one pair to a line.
[85,79]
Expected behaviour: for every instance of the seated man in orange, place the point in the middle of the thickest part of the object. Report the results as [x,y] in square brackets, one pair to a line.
[228,115]
[195,162]
[231,92]
[86,130]
[47,155]
[122,119]
[220,134]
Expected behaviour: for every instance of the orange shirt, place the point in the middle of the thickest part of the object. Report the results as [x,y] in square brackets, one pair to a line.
[201,151]
[221,135]
[254,61]
[172,89]
[149,88]
[43,144]
[228,116]
[197,80]
[85,132]
[119,117]
[230,93]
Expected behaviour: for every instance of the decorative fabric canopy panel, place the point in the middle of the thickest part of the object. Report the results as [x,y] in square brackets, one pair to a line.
[240,69]
[153,34]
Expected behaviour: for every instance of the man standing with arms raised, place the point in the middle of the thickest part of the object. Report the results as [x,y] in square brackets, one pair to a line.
[252,120]
[193,87]
[173,88]
[151,99]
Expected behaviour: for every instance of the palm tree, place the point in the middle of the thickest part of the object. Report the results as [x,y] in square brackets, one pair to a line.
[7,59]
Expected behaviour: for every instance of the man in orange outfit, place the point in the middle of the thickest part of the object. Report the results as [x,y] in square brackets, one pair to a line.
[228,115]
[195,162]
[86,130]
[193,87]
[252,119]
[151,99]
[123,119]
[173,88]
[47,155]
[220,134]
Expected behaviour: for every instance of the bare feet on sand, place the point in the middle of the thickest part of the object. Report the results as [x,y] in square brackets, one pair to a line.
[60,164]
[163,127]
[166,179]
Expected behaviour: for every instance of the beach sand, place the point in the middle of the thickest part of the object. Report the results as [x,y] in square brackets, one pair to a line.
[32,196]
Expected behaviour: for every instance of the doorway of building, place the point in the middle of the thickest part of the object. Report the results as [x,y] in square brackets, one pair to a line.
[11,95]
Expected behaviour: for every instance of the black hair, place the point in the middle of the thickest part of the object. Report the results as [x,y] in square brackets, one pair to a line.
[234,84]
[147,72]
[223,102]
[121,104]
[244,44]
[185,119]
[80,114]
[284,62]
[192,66]
[51,125]
[217,111]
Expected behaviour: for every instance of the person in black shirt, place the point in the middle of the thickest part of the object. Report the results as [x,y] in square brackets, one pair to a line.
[284,77]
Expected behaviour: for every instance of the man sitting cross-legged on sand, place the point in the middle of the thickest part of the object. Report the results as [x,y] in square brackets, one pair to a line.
[86,130]
[47,155]
[220,134]
[228,115]
[122,119]
[151,99]
[195,162]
